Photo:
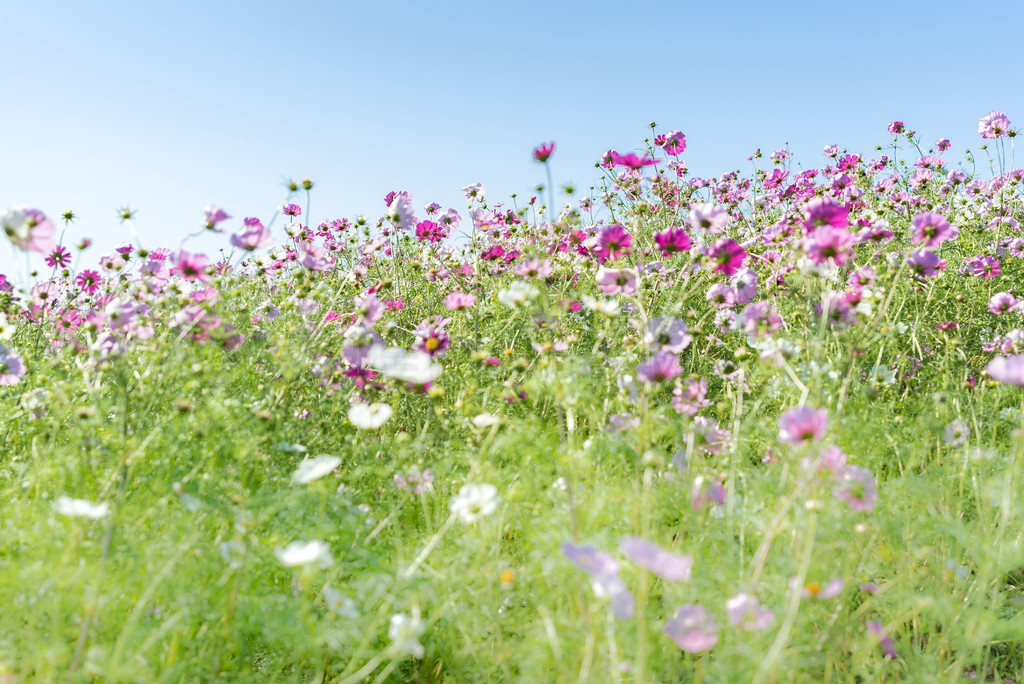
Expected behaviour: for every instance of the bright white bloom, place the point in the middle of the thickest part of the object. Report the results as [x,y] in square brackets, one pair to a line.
[293,229]
[474,501]
[486,420]
[369,416]
[14,221]
[405,633]
[340,604]
[412,367]
[7,329]
[80,508]
[517,293]
[314,468]
[609,307]
[303,553]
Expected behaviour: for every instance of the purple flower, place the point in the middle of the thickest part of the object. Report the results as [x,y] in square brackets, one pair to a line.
[745,611]
[657,560]
[824,211]
[214,215]
[613,241]
[924,264]
[12,366]
[995,125]
[253,235]
[932,230]
[884,640]
[984,267]
[802,424]
[1008,369]
[661,367]
[692,629]
[1002,302]
[667,334]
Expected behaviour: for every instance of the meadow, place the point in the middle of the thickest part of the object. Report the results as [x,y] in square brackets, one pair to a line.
[761,427]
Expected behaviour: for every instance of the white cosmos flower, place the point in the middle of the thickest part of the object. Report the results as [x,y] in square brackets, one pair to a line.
[80,508]
[303,553]
[314,468]
[369,416]
[518,292]
[474,501]
[412,367]
[338,603]
[486,420]
[404,633]
[7,329]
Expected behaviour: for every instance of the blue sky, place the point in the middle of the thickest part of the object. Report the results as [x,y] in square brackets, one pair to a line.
[169,106]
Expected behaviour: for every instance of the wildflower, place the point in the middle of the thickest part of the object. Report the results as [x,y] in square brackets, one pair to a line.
[474,192]
[721,296]
[925,264]
[253,235]
[401,214]
[657,560]
[59,257]
[830,151]
[706,491]
[856,488]
[932,229]
[80,508]
[458,301]
[661,367]
[692,629]
[745,611]
[727,256]
[667,334]
[604,579]
[829,244]
[613,242]
[369,416]
[416,367]
[517,293]
[405,633]
[616,281]
[431,337]
[300,553]
[824,211]
[956,433]
[428,231]
[672,241]
[674,143]
[802,424]
[543,152]
[1008,369]
[760,320]
[814,590]
[884,640]
[984,267]
[632,161]
[44,294]
[474,501]
[192,266]
[311,469]
[7,328]
[12,366]
[708,218]
[1002,302]
[291,210]
[895,128]
[942,144]
[28,229]
[339,604]
[214,215]
[995,125]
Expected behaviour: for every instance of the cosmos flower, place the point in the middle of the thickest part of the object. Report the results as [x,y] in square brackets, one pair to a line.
[543,152]
[474,501]
[311,469]
[802,424]
[692,628]
[80,508]
[300,553]
[657,560]
[369,416]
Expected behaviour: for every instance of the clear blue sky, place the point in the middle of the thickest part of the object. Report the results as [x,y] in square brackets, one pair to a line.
[169,106]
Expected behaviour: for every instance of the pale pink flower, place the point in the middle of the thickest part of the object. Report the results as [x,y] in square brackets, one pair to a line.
[802,424]
[692,628]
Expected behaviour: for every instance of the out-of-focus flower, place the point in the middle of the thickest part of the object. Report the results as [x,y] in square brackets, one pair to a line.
[80,508]
[657,560]
[369,416]
[745,611]
[474,501]
[1008,369]
[310,469]
[405,632]
[543,152]
[802,424]
[300,553]
[692,629]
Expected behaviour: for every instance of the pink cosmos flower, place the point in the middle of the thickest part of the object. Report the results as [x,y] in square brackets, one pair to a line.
[632,161]
[829,244]
[995,125]
[672,241]
[721,296]
[814,590]
[432,338]
[59,257]
[613,242]
[667,334]
[708,218]
[727,256]
[253,235]
[745,611]
[856,488]
[474,191]
[1007,369]
[802,424]
[932,229]
[657,560]
[824,211]
[12,366]
[1002,302]
[984,267]
[744,284]
[692,629]
[616,281]
[88,281]
[369,309]
[942,144]
[661,367]
[895,128]
[458,301]
[192,266]
[428,231]
[543,152]
[674,143]
[28,229]
[884,640]
[213,216]
[925,264]
[44,294]
[291,210]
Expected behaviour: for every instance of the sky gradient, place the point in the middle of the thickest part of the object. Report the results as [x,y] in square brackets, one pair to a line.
[167,107]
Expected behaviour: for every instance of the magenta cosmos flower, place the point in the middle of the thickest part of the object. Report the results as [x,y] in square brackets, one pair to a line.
[613,241]
[661,367]
[925,264]
[692,629]
[632,161]
[192,266]
[825,211]
[616,281]
[673,143]
[829,244]
[1008,369]
[672,241]
[1002,302]
[727,256]
[932,230]
[802,424]
[543,152]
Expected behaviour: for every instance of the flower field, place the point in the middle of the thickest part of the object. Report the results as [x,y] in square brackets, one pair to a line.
[761,427]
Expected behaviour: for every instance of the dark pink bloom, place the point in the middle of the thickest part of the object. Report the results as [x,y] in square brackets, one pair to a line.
[671,241]
[428,231]
[829,244]
[613,242]
[59,257]
[632,161]
[674,143]
[192,266]
[932,230]
[727,256]
[896,127]
[543,152]
[802,424]
[825,211]
[214,215]
[88,281]
[985,267]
